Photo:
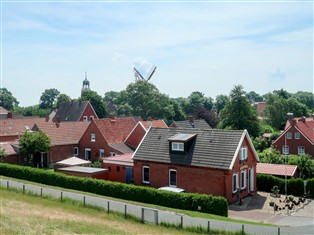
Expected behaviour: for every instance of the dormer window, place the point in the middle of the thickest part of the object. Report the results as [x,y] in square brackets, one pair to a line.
[176,146]
[181,142]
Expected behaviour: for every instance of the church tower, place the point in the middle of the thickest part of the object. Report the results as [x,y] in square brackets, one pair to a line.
[85,86]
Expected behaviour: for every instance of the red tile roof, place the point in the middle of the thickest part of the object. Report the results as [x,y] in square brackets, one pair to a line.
[276,169]
[65,133]
[3,110]
[154,123]
[120,158]
[115,130]
[16,127]
[7,146]
[305,125]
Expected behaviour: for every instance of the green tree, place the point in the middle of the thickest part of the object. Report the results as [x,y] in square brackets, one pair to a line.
[2,154]
[239,114]
[7,100]
[34,110]
[272,156]
[197,99]
[62,98]
[200,112]
[278,107]
[254,97]
[32,143]
[96,101]
[146,100]
[220,102]
[306,98]
[306,166]
[48,98]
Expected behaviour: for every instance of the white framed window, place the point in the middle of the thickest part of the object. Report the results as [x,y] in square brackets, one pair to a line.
[297,135]
[112,154]
[91,118]
[289,135]
[92,137]
[301,150]
[145,174]
[235,182]
[101,152]
[85,119]
[285,149]
[172,178]
[75,151]
[243,179]
[243,154]
[177,146]
[88,154]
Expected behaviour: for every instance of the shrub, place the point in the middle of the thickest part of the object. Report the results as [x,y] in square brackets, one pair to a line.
[186,201]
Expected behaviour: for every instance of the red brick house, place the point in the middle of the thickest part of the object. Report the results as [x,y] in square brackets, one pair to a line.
[74,111]
[297,138]
[64,137]
[105,137]
[121,166]
[11,152]
[140,129]
[11,129]
[216,162]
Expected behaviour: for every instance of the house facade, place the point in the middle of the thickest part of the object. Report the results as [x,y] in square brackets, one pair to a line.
[297,138]
[105,137]
[75,111]
[64,137]
[216,162]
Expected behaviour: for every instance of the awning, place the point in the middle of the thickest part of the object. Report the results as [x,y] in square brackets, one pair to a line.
[73,161]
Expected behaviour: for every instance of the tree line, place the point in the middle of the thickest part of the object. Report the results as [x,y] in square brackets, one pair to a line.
[142,98]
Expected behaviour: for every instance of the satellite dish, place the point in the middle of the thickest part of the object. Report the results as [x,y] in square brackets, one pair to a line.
[139,76]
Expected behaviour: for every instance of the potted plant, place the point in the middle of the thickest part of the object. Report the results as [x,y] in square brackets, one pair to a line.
[271,203]
[290,197]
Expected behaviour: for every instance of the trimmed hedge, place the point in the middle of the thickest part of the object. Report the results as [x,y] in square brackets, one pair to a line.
[186,201]
[294,186]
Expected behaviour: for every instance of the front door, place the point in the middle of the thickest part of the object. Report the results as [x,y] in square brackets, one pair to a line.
[128,175]
[88,154]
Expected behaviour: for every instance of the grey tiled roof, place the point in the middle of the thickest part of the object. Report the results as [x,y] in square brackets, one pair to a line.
[71,111]
[210,148]
[121,147]
[198,123]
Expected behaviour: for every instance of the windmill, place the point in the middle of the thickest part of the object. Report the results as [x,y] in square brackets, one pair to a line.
[138,75]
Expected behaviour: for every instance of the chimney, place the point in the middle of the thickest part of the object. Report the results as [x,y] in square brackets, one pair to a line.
[191,119]
[9,115]
[58,119]
[112,117]
[47,118]
[290,116]
[149,119]
[303,119]
[293,122]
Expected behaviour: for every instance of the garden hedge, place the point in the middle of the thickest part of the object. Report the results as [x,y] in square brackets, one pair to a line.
[186,201]
[294,186]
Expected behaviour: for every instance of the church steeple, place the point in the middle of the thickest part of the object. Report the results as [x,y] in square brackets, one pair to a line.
[85,86]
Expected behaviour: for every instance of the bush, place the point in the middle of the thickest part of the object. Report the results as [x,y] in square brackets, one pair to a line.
[294,186]
[186,201]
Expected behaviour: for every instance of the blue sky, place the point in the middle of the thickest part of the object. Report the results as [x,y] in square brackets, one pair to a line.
[206,46]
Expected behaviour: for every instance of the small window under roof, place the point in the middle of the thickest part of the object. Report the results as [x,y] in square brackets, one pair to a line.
[182,137]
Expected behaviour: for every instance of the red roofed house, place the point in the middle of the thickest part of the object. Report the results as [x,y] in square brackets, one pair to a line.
[279,170]
[136,135]
[297,138]
[11,152]
[65,138]
[11,129]
[121,167]
[105,137]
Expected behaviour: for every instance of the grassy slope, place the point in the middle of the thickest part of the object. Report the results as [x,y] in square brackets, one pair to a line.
[190,213]
[26,214]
